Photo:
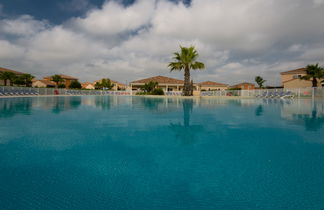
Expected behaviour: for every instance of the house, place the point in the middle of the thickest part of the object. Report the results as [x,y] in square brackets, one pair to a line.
[8,70]
[243,86]
[88,85]
[117,85]
[166,83]
[66,79]
[292,79]
[209,85]
[43,84]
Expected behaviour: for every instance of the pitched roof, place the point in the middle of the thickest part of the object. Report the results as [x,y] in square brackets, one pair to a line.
[112,81]
[210,83]
[9,70]
[85,84]
[64,77]
[243,83]
[296,71]
[160,79]
[46,82]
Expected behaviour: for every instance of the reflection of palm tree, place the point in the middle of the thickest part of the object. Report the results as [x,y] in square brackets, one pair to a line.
[259,111]
[186,132]
[104,102]
[66,103]
[314,121]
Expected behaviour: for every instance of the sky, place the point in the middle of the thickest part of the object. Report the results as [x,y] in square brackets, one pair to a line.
[127,40]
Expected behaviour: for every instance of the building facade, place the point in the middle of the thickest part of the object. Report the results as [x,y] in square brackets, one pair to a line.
[292,79]
[165,83]
[243,86]
[66,79]
[209,85]
[43,84]
[8,70]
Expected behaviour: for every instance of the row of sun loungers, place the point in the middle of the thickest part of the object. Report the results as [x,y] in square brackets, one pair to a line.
[288,94]
[18,92]
[173,93]
[77,92]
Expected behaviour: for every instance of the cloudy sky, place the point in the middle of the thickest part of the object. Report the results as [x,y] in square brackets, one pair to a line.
[132,39]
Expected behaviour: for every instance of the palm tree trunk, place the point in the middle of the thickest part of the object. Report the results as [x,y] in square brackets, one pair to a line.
[186,88]
[314,82]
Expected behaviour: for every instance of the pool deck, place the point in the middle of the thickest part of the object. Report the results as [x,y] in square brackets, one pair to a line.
[146,96]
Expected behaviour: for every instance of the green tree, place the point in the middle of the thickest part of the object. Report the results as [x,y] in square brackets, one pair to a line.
[259,80]
[104,83]
[75,84]
[57,79]
[8,76]
[149,87]
[107,84]
[186,60]
[313,72]
[24,79]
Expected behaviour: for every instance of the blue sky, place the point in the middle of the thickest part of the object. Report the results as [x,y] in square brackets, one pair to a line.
[129,40]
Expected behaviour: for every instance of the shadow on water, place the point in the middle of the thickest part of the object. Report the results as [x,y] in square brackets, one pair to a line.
[185,131]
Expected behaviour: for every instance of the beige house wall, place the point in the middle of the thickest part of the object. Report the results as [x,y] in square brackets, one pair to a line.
[39,84]
[165,87]
[90,87]
[213,88]
[298,83]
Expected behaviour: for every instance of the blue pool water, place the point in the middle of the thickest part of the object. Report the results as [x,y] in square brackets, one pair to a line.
[95,152]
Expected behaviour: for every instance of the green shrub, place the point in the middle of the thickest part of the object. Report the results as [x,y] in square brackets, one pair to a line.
[61,86]
[157,91]
[75,85]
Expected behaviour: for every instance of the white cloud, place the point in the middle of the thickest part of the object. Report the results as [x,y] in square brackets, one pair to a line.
[114,18]
[9,50]
[24,25]
[237,40]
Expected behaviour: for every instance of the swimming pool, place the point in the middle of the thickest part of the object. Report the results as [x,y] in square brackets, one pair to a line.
[122,152]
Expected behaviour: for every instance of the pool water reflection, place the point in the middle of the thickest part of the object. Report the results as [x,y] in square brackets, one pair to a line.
[95,152]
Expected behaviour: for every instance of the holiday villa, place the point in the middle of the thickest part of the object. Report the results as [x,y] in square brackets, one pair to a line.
[209,85]
[243,86]
[166,83]
[8,70]
[292,79]
[66,79]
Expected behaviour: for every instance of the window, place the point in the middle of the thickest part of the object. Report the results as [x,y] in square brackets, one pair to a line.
[297,76]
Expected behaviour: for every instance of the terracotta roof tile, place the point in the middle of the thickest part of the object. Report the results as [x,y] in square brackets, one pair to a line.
[63,77]
[210,83]
[9,70]
[296,71]
[160,80]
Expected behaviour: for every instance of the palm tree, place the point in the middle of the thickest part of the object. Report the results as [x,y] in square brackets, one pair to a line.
[186,60]
[27,79]
[57,79]
[259,80]
[5,76]
[313,72]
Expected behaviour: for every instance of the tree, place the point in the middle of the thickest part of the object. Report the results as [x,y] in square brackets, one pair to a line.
[186,60]
[5,76]
[75,84]
[149,87]
[259,80]
[313,72]
[104,84]
[24,79]
[57,79]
